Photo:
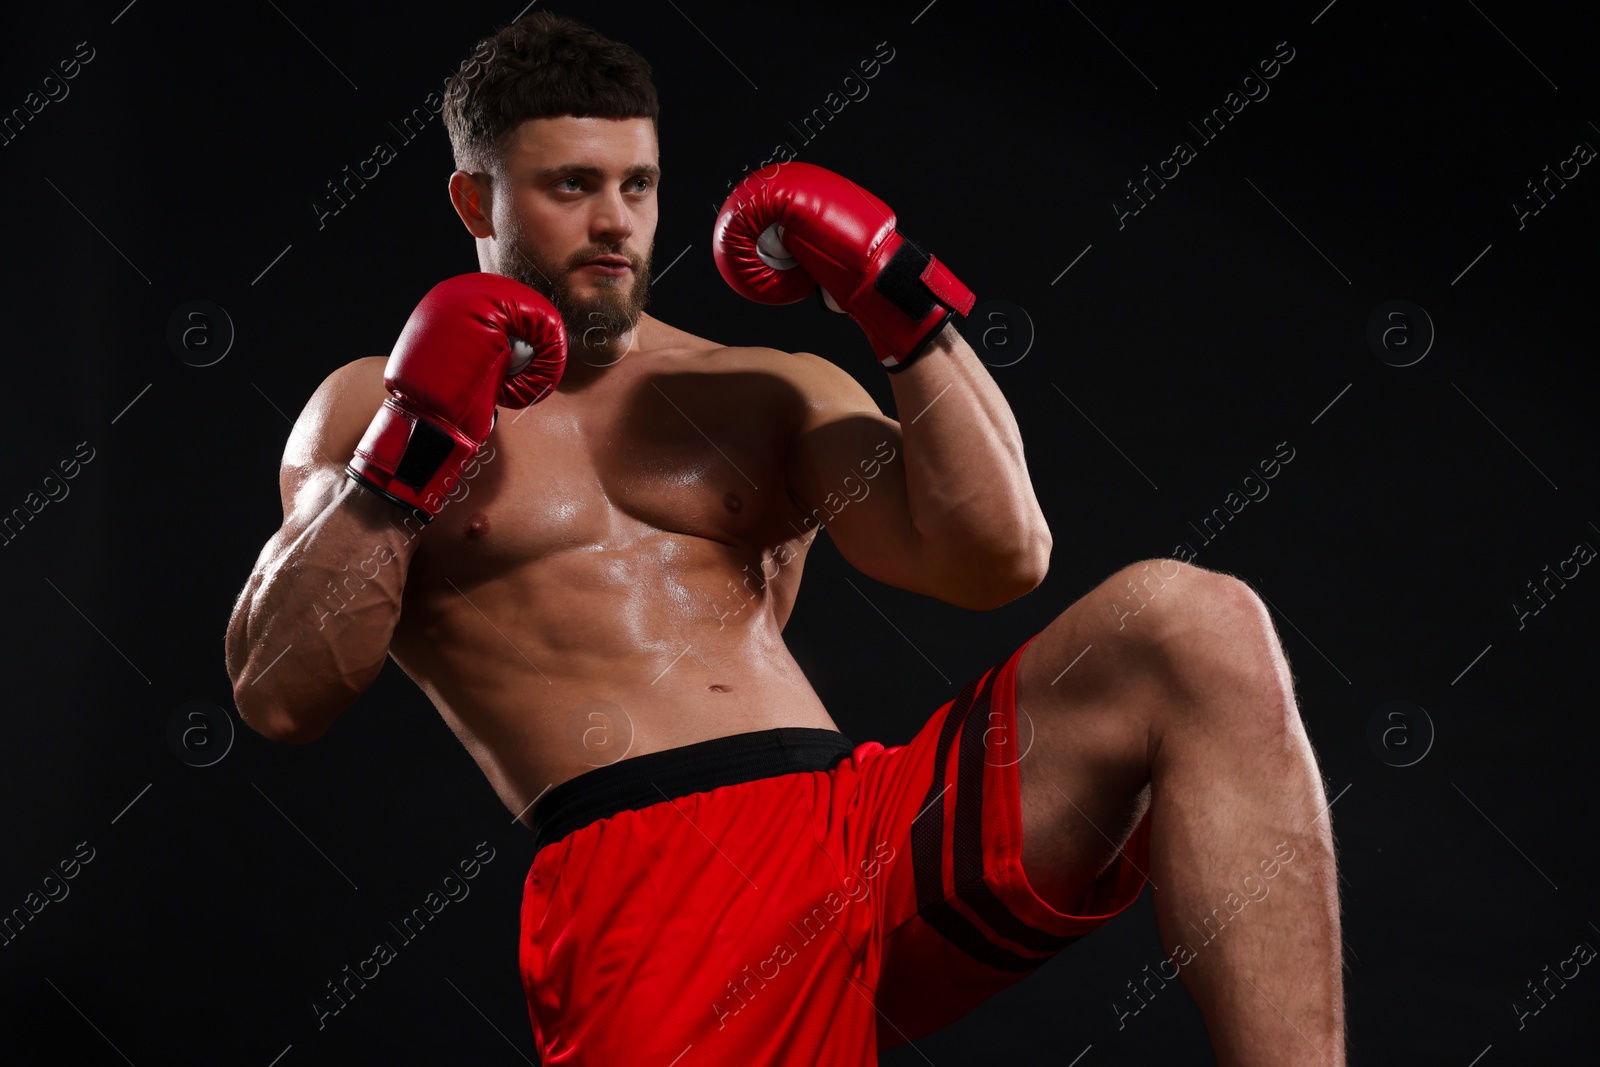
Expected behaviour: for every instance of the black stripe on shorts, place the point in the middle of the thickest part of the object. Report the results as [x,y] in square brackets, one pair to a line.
[968,845]
[927,839]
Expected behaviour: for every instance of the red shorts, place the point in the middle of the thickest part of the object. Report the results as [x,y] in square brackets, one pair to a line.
[786,897]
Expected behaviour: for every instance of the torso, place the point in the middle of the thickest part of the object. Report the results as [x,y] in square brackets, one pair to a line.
[606,583]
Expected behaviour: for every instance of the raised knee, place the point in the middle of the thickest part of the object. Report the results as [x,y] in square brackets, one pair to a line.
[1220,651]
[1195,620]
[1157,600]
[1223,605]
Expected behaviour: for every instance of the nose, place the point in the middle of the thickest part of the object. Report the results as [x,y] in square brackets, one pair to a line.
[610,221]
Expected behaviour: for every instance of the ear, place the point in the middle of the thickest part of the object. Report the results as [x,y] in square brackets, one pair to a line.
[472,196]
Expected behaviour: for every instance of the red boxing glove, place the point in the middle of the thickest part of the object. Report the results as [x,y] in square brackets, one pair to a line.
[778,238]
[473,341]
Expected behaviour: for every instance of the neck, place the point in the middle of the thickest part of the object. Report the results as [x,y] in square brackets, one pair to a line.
[587,363]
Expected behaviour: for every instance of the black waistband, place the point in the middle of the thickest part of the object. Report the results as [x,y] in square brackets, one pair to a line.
[635,783]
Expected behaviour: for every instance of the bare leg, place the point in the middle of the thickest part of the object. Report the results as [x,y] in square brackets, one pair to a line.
[1181,699]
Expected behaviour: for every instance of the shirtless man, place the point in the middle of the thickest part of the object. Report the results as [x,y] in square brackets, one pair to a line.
[591,585]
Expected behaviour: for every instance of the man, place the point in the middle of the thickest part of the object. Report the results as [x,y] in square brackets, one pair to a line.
[591,582]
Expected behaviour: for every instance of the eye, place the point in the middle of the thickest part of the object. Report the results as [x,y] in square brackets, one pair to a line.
[570,184]
[640,184]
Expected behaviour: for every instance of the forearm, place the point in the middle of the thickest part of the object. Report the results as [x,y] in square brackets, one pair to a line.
[312,627]
[972,501]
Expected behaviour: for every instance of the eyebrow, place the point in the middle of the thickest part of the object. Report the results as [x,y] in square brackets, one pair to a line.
[647,169]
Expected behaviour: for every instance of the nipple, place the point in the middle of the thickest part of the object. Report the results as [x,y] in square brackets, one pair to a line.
[478,526]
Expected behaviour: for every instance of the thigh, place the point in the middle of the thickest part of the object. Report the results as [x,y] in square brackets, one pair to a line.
[960,920]
[1089,689]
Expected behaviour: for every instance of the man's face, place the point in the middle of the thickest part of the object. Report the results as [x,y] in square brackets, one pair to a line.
[575,218]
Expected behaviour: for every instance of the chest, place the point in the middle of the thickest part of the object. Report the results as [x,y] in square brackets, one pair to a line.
[698,454]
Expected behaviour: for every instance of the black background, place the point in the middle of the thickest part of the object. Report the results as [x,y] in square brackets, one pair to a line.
[1191,342]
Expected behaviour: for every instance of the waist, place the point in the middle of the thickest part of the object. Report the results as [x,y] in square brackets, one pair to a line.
[654,777]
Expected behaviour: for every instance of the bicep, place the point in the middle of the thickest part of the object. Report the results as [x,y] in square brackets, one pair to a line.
[846,471]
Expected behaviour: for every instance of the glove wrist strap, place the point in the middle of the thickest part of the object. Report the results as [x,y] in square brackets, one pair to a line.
[925,292]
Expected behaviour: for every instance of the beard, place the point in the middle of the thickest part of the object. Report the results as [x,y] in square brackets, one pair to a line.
[595,324]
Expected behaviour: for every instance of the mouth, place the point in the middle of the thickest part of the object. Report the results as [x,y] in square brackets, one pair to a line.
[608,265]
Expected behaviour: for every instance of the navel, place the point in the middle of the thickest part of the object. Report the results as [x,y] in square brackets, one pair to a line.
[720,688]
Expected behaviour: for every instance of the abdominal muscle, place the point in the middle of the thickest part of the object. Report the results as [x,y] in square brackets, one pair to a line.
[590,656]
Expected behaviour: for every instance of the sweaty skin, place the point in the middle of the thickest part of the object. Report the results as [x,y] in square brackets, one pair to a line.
[614,573]
[587,599]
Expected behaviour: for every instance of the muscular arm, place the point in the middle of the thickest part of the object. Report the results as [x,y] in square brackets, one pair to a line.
[953,515]
[311,628]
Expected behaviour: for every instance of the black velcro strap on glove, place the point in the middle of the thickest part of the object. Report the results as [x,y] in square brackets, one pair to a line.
[426,449]
[901,283]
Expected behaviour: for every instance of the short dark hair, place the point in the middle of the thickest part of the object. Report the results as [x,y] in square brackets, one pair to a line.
[542,66]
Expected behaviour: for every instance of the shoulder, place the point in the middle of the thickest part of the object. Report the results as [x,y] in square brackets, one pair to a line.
[821,384]
[333,420]
[360,375]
